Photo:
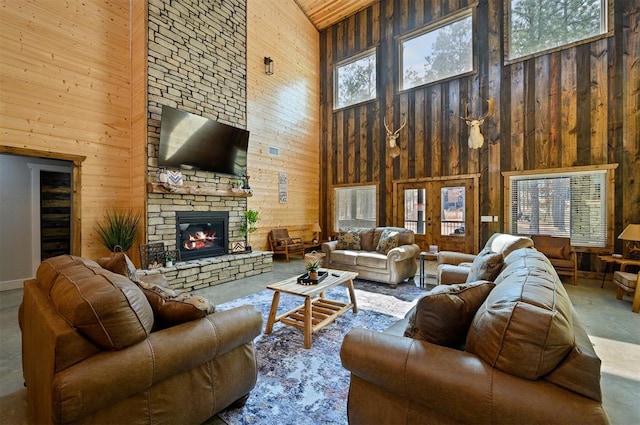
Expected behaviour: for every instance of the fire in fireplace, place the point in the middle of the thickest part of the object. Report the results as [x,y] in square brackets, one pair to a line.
[202,234]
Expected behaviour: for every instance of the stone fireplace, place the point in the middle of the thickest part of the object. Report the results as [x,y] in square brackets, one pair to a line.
[201,234]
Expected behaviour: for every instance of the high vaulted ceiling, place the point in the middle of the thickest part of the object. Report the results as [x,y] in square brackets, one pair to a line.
[324,13]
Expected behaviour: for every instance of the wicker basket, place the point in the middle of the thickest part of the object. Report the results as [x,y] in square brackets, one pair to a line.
[314,256]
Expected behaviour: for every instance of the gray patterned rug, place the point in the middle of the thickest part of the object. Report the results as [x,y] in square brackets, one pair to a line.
[299,386]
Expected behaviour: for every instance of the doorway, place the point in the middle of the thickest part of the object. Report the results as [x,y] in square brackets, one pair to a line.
[441,212]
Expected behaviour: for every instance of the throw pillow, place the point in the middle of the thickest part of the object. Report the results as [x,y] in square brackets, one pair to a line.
[120,263]
[349,239]
[388,240]
[171,308]
[444,315]
[486,266]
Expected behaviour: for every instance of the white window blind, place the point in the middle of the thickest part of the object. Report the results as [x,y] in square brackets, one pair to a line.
[355,207]
[569,204]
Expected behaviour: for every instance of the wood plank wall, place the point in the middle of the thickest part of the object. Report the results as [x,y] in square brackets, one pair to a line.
[282,112]
[65,89]
[577,106]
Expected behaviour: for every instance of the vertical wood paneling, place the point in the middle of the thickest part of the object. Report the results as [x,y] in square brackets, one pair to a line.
[568,122]
[572,107]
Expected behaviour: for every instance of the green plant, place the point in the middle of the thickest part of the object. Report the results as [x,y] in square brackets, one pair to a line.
[312,266]
[249,226]
[119,229]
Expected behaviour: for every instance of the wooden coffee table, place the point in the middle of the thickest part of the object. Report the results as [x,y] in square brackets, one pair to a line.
[317,311]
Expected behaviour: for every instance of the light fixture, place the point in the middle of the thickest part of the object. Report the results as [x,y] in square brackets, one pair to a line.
[316,230]
[268,65]
[632,234]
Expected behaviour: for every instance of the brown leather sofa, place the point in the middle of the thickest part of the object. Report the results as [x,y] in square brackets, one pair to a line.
[527,359]
[89,354]
[362,256]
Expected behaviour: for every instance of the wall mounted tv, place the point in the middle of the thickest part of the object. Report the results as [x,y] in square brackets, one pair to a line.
[192,142]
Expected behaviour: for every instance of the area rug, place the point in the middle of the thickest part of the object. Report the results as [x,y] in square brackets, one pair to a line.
[309,386]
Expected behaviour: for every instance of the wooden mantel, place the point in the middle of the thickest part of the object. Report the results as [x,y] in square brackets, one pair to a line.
[194,189]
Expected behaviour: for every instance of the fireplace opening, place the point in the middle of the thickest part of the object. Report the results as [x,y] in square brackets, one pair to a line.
[202,234]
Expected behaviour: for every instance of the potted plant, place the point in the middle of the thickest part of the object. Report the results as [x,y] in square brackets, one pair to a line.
[168,260]
[249,226]
[312,268]
[119,230]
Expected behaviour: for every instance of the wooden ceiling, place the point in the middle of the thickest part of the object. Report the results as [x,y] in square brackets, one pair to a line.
[324,13]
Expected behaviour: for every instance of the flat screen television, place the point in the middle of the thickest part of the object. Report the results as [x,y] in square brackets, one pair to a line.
[192,142]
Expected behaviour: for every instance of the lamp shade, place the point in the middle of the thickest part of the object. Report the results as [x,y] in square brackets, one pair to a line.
[631,233]
[316,228]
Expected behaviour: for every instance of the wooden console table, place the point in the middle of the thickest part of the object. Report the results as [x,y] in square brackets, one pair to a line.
[611,260]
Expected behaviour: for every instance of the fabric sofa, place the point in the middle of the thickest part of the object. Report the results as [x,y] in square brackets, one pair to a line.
[91,352]
[381,254]
[525,357]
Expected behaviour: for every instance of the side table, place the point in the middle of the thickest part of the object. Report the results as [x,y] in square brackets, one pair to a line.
[610,259]
[424,256]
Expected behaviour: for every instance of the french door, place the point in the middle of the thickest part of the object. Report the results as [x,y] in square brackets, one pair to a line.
[441,212]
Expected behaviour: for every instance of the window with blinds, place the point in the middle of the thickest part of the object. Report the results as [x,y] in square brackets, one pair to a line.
[567,204]
[355,207]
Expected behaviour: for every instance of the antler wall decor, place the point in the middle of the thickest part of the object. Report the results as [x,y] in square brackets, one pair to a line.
[392,136]
[476,139]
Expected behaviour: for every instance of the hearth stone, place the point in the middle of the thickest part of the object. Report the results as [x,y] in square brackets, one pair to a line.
[204,272]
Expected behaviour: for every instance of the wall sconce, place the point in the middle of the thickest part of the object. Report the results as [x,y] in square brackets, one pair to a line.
[268,65]
[631,233]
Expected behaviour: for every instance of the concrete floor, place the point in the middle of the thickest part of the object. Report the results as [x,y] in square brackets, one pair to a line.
[612,327]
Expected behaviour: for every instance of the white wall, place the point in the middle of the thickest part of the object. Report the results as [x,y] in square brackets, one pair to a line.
[16,209]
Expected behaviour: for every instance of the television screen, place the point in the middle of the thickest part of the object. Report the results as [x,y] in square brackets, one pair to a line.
[193,142]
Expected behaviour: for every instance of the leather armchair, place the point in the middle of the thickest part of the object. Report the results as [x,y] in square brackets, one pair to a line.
[282,243]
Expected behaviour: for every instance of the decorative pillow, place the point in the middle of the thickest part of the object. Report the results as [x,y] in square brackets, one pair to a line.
[120,263]
[554,252]
[486,266]
[444,315]
[171,307]
[349,239]
[388,240]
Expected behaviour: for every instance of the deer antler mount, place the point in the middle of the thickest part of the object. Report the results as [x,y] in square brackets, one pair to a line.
[476,139]
[392,136]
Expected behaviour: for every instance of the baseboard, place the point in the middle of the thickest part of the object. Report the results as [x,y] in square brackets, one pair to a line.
[8,285]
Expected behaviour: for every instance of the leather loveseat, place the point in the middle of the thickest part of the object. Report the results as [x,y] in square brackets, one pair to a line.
[524,358]
[364,251]
[89,354]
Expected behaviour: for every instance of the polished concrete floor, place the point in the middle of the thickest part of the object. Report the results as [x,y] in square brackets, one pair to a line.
[612,327]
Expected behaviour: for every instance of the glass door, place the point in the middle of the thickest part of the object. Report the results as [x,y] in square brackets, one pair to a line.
[440,213]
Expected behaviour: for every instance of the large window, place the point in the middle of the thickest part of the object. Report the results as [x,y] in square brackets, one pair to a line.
[541,25]
[355,80]
[438,52]
[355,206]
[566,203]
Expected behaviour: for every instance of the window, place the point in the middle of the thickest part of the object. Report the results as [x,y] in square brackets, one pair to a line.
[539,25]
[565,203]
[355,80]
[439,52]
[356,206]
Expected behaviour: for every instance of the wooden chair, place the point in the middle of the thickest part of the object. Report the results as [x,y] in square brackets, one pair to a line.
[559,252]
[282,243]
[628,283]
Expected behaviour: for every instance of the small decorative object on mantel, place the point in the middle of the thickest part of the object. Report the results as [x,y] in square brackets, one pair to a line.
[238,247]
[162,175]
[174,177]
[245,185]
